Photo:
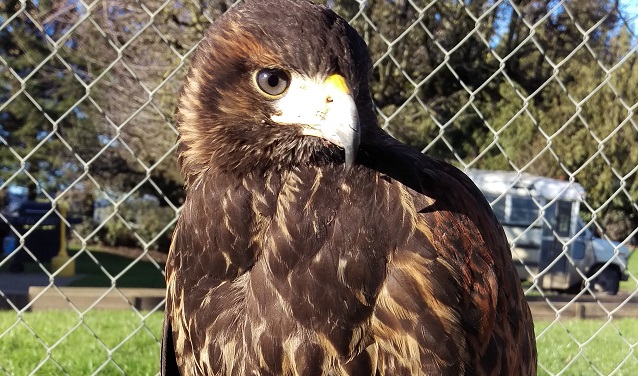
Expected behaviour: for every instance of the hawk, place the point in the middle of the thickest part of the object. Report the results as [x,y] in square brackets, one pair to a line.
[310,241]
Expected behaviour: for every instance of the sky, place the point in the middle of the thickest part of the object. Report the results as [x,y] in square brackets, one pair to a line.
[631,7]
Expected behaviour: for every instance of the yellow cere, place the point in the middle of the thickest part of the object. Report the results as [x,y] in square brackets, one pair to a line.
[338,82]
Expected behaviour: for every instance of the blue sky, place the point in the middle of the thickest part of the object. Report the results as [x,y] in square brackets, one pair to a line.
[631,7]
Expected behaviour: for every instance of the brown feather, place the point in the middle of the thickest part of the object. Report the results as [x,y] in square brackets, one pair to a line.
[284,263]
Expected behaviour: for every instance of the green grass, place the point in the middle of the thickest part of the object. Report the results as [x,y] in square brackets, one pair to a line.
[81,353]
[141,274]
[86,349]
[605,349]
[632,267]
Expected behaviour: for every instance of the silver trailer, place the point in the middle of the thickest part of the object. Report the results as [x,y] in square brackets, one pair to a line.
[549,241]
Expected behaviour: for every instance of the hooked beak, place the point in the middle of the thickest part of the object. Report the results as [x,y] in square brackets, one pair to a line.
[323,109]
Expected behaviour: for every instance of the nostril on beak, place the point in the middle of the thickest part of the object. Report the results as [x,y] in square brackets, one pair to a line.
[329,99]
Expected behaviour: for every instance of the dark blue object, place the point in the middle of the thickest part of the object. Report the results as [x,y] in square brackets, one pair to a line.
[44,240]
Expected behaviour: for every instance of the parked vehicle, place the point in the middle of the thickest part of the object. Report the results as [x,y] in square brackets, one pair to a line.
[549,241]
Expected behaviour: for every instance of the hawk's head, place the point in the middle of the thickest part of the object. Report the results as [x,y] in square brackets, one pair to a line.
[274,83]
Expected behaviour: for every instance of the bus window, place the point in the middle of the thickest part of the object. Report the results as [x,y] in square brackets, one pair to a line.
[498,206]
[524,211]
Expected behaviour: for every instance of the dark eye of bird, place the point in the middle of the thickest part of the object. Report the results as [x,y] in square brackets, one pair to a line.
[273,82]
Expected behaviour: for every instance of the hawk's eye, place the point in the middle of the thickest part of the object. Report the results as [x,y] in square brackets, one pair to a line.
[273,82]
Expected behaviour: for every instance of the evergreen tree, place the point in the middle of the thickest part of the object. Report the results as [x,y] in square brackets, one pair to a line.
[39,97]
[521,84]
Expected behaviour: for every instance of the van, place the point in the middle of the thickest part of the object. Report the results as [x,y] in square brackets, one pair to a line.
[551,245]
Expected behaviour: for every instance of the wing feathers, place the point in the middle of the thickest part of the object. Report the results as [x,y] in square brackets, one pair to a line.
[404,270]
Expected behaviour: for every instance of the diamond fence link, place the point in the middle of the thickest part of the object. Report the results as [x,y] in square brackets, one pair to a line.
[545,90]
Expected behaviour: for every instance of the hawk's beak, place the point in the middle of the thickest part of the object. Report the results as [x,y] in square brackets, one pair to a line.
[326,110]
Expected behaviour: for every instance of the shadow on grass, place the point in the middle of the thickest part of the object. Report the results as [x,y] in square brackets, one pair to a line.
[91,273]
[141,274]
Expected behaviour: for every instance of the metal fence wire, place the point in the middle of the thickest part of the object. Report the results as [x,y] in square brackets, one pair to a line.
[546,90]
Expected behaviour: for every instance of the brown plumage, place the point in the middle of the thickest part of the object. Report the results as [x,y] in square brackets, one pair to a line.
[290,257]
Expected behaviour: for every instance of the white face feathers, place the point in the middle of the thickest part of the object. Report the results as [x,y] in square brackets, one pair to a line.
[322,108]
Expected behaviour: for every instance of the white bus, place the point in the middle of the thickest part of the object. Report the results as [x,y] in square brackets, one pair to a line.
[549,241]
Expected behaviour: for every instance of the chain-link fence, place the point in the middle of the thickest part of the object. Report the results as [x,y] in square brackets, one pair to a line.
[546,90]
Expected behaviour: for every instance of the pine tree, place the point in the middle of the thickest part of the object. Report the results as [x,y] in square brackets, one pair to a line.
[39,96]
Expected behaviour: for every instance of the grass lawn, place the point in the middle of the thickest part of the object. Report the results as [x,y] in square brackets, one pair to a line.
[605,348]
[632,267]
[105,339]
[142,274]
[111,341]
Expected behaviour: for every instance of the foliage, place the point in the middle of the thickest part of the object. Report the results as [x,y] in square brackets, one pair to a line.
[542,86]
[37,115]
[77,120]
[135,222]
[537,86]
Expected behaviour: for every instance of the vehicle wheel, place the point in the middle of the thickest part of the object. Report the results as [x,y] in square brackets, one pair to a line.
[607,281]
[574,289]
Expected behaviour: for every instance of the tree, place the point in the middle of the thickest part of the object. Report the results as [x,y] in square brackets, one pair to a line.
[480,83]
[578,119]
[39,95]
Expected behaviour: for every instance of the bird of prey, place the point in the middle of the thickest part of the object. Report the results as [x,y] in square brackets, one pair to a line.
[310,241]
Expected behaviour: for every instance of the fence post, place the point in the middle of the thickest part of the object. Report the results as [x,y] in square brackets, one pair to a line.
[58,262]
